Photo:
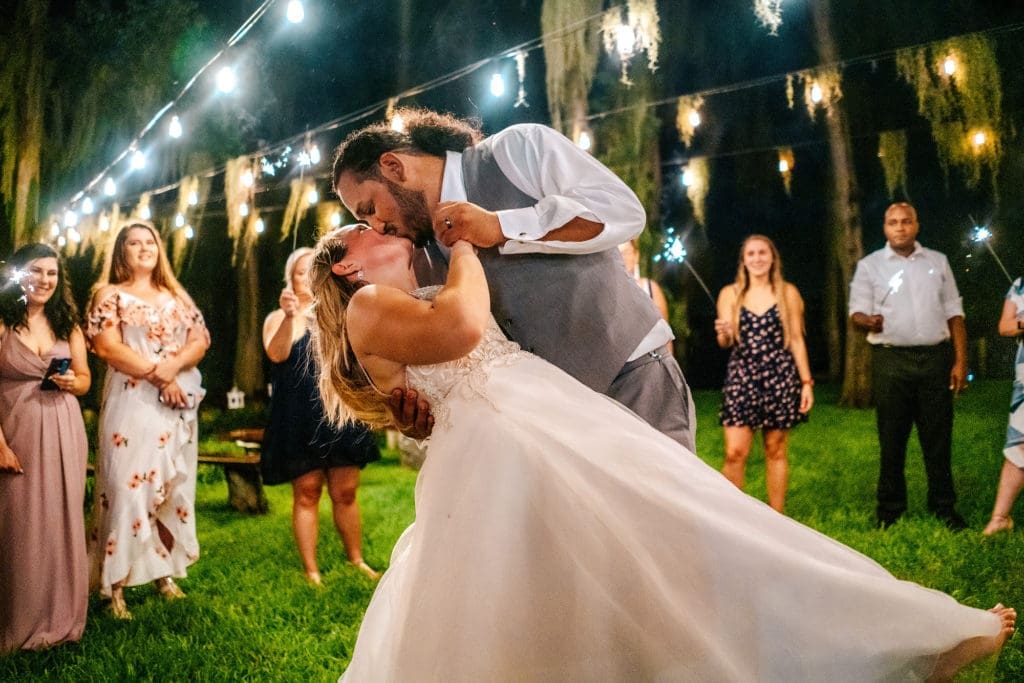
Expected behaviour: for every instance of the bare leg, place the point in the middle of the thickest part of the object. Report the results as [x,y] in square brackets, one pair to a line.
[973,649]
[117,604]
[166,585]
[737,448]
[776,467]
[342,483]
[306,519]
[1011,481]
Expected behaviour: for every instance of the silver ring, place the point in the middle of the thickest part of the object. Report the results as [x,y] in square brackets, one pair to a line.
[448,222]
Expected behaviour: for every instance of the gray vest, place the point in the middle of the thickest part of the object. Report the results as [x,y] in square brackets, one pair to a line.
[582,313]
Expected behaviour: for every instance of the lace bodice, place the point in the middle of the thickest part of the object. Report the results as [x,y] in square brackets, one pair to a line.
[465,377]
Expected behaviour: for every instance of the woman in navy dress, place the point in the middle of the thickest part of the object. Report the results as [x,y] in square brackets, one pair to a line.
[768,384]
[299,445]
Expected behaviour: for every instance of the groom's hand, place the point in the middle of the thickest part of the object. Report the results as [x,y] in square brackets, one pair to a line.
[454,221]
[411,416]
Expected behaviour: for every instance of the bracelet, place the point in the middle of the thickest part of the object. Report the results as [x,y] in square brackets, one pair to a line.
[807,382]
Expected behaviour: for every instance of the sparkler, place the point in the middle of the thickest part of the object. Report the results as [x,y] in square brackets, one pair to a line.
[674,251]
[982,234]
[17,277]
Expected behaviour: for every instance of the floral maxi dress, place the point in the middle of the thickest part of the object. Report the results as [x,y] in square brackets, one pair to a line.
[148,452]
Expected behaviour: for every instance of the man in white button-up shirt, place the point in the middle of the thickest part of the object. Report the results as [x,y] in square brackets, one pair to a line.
[904,296]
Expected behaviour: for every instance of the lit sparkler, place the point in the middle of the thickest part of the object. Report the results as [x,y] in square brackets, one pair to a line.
[895,282]
[983,234]
[674,251]
[17,277]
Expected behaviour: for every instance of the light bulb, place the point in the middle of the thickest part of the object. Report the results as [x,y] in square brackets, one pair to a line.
[314,155]
[335,219]
[260,226]
[189,232]
[226,79]
[144,213]
[295,13]
[179,221]
[193,198]
[783,166]
[312,197]
[87,206]
[816,93]
[687,178]
[625,39]
[497,85]
[694,118]
[70,219]
[397,123]
[248,178]
[104,223]
[74,235]
[979,138]
[583,141]
[54,229]
[174,129]
[243,209]
[138,160]
[949,66]
[109,187]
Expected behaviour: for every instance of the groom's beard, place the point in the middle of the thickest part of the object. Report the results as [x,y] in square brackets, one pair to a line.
[416,218]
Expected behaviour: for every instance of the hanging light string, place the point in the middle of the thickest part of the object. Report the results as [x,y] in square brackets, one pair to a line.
[522,48]
[235,37]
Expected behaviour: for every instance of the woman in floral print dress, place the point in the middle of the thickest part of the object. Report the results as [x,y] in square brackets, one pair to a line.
[146,328]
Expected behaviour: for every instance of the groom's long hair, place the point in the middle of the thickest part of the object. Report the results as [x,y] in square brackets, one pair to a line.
[345,388]
[425,132]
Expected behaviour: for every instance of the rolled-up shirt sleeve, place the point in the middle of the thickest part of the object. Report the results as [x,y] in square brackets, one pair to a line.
[862,295]
[567,183]
[952,303]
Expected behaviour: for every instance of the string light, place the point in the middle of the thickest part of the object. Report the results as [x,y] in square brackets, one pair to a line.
[87,206]
[138,161]
[70,219]
[260,226]
[398,123]
[179,221]
[979,138]
[497,85]
[189,232]
[314,155]
[104,223]
[687,178]
[62,241]
[816,93]
[193,198]
[248,178]
[949,66]
[74,235]
[694,118]
[54,229]
[227,81]
[312,197]
[583,141]
[243,209]
[109,187]
[145,213]
[174,128]
[625,41]
[295,12]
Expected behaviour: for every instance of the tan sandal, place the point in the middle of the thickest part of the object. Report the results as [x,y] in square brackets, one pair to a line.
[366,569]
[169,589]
[118,608]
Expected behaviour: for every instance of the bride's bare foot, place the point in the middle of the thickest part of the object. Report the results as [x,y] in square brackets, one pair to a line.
[998,523]
[973,649]
[366,569]
[314,578]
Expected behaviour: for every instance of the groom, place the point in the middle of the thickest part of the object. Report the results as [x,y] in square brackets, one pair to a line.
[547,219]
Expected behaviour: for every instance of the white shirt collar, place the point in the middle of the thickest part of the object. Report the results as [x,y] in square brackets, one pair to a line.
[453,186]
[890,253]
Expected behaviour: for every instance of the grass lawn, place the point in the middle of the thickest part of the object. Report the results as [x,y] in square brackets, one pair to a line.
[250,615]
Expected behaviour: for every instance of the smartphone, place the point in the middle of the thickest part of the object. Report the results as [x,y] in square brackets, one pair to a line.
[58,366]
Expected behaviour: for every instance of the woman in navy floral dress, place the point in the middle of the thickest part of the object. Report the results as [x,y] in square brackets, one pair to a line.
[768,383]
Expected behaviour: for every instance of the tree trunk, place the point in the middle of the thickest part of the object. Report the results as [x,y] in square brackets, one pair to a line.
[28,116]
[846,227]
[248,345]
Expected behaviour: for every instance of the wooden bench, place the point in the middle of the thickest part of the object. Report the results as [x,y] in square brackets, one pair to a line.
[242,472]
[245,483]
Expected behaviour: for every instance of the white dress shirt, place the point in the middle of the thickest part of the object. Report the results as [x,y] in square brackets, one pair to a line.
[567,183]
[916,295]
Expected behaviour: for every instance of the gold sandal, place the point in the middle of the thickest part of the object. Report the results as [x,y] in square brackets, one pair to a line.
[168,588]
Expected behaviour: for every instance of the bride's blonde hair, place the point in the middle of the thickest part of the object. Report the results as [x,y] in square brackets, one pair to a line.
[345,387]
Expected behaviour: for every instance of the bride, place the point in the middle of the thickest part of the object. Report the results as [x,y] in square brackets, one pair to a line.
[560,538]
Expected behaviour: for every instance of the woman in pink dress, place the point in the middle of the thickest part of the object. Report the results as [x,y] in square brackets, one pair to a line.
[43,450]
[143,324]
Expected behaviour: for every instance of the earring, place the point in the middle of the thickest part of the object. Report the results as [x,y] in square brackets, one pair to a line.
[359,275]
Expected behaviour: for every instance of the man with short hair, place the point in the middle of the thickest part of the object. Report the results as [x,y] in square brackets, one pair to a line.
[904,296]
[547,219]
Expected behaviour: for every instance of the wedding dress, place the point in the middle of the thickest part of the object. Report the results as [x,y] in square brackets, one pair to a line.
[560,538]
